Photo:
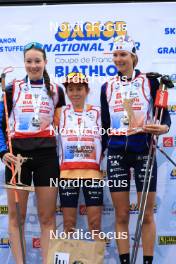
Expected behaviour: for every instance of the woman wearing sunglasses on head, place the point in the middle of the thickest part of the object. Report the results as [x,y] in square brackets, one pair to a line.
[79,125]
[127,103]
[31,104]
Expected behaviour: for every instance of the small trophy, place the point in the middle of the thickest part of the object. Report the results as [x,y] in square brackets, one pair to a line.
[18,184]
[127,119]
[18,165]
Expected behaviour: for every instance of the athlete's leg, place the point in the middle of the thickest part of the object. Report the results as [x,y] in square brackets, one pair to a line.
[69,200]
[94,202]
[13,225]
[46,205]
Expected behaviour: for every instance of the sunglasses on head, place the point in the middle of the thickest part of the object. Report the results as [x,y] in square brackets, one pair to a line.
[76,74]
[76,77]
[31,45]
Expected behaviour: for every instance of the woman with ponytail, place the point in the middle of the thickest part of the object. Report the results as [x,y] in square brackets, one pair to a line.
[31,106]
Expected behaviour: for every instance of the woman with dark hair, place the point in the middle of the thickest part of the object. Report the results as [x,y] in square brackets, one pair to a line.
[31,105]
[127,105]
[80,154]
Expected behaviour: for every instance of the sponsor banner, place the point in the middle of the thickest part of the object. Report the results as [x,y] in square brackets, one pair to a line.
[167,240]
[3,209]
[4,243]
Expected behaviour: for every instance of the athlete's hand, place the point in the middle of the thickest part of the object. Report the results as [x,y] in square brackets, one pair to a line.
[9,159]
[156,129]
